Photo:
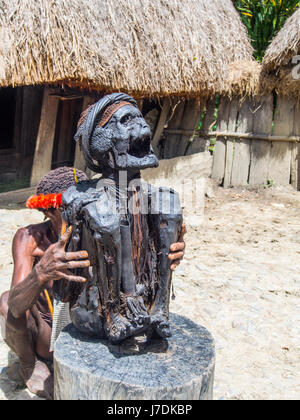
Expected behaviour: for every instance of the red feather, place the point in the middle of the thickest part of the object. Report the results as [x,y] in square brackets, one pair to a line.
[45,202]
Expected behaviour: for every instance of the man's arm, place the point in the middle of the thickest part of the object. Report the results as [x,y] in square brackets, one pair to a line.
[28,281]
[23,294]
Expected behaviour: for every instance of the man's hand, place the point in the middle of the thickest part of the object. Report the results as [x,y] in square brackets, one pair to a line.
[56,262]
[177,249]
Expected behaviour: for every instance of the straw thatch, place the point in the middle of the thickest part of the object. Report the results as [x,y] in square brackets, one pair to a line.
[278,61]
[245,79]
[144,47]
[285,45]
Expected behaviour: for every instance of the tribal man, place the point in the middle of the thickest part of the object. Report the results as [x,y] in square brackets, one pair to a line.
[39,260]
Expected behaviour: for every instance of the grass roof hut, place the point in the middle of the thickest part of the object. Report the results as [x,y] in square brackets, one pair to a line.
[282,57]
[281,70]
[78,49]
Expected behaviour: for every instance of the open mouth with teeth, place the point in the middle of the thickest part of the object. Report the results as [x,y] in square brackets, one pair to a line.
[139,155]
[140,147]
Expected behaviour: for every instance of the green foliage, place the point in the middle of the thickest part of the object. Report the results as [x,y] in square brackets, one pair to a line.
[264,19]
[270,183]
[212,145]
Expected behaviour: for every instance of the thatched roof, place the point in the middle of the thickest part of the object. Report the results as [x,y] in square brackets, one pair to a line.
[245,79]
[285,45]
[277,63]
[144,47]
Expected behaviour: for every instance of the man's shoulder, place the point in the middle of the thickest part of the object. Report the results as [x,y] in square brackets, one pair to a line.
[32,234]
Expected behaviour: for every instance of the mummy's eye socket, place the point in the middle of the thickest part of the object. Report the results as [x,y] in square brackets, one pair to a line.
[125,119]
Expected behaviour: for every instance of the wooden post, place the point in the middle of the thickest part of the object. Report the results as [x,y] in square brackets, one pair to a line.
[140,103]
[231,143]
[180,368]
[280,155]
[199,143]
[295,164]
[190,121]
[218,171]
[170,143]
[186,116]
[27,120]
[44,144]
[260,152]
[242,147]
[79,161]
[161,124]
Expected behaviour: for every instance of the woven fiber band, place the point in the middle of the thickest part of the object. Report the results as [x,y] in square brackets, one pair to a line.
[109,112]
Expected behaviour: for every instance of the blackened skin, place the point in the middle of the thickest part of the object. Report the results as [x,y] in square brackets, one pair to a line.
[128,284]
[123,144]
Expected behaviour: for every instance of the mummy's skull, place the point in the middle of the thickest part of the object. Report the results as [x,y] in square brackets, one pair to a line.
[115,135]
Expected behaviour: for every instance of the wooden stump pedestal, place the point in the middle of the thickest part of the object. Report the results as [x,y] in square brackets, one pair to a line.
[180,368]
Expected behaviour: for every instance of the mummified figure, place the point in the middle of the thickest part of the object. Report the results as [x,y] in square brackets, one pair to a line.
[126,225]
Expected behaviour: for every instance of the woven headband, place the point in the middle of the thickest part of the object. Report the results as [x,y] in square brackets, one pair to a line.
[109,112]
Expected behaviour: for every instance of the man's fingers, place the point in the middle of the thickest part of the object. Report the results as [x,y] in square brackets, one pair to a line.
[175,256]
[65,237]
[38,253]
[178,246]
[71,265]
[70,277]
[182,233]
[79,255]
[174,265]
[46,242]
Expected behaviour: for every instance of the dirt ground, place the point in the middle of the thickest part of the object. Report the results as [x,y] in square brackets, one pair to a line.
[240,279]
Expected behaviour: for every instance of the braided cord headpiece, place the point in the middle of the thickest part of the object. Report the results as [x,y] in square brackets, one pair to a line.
[100,113]
[109,112]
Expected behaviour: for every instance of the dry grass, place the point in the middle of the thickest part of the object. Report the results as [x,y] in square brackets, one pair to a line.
[244,77]
[277,62]
[144,47]
[285,45]
[285,84]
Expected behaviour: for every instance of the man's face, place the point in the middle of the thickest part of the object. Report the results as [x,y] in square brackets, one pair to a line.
[130,140]
[54,215]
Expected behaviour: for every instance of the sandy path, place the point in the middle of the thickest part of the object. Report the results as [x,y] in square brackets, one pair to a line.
[240,279]
[11,220]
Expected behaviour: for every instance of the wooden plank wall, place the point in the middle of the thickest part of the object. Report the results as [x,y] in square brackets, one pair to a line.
[261,149]
[184,120]
[44,144]
[241,161]
[218,170]
[295,154]
[244,159]
[27,119]
[66,126]
[198,143]
[281,152]
[79,161]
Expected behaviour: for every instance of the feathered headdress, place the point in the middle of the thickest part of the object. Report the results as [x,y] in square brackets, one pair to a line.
[45,202]
[52,200]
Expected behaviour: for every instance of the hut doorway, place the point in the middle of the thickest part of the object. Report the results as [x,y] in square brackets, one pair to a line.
[8,154]
[55,146]
[7,116]
[69,111]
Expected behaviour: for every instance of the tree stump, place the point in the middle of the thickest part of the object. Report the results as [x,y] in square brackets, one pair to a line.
[180,368]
